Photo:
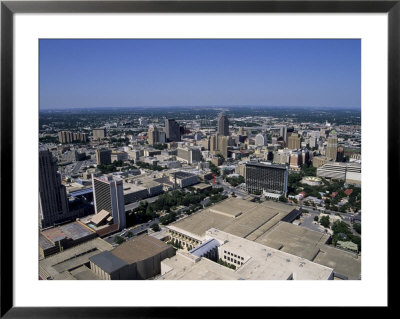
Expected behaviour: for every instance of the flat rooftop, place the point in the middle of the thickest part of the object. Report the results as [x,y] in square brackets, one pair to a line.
[139,248]
[74,231]
[261,263]
[296,240]
[343,262]
[311,245]
[239,217]
[59,266]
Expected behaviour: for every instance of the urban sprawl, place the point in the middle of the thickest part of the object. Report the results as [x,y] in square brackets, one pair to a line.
[200,193]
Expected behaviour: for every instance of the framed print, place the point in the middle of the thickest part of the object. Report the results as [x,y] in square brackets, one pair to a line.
[223,136]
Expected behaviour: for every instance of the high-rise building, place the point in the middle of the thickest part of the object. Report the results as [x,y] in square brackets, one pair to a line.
[53,203]
[65,137]
[189,155]
[295,160]
[103,156]
[340,154]
[152,135]
[260,140]
[242,131]
[223,125]
[214,143]
[294,142]
[283,133]
[172,130]
[332,148]
[223,142]
[99,133]
[108,195]
[267,177]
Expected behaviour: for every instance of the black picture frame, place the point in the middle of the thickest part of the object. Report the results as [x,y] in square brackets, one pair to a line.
[9,8]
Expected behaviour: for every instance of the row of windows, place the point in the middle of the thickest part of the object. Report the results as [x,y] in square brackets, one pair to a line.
[234,255]
[233,260]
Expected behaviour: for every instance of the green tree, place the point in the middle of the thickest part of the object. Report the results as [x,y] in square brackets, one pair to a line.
[324,221]
[155,227]
[118,240]
[357,228]
[316,218]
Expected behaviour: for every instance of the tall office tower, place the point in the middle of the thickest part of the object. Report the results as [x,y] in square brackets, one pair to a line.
[172,130]
[188,154]
[223,125]
[81,137]
[214,143]
[295,160]
[260,140]
[65,137]
[283,133]
[53,203]
[153,135]
[108,195]
[223,142]
[242,131]
[312,142]
[305,157]
[294,142]
[332,148]
[103,157]
[340,154]
[99,133]
[162,137]
[267,177]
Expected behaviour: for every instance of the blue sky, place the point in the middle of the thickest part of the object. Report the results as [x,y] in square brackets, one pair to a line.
[128,73]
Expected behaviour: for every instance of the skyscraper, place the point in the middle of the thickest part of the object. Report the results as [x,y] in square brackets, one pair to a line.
[172,130]
[260,140]
[332,148]
[294,142]
[53,203]
[103,156]
[223,125]
[152,135]
[108,195]
[283,133]
[271,178]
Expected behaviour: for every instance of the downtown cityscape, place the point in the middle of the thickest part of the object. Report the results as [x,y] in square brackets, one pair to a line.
[201,191]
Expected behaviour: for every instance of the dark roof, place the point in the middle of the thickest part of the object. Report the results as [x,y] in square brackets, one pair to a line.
[279,166]
[108,262]
[181,174]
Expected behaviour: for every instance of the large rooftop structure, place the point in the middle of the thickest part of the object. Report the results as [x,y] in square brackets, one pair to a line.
[252,261]
[71,263]
[53,240]
[137,258]
[312,245]
[239,217]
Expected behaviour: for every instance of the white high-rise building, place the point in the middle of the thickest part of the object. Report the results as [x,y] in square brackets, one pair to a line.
[108,195]
[260,140]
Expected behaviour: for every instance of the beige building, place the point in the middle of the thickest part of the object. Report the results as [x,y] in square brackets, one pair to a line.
[153,135]
[332,148]
[237,216]
[248,260]
[99,133]
[294,142]
[137,258]
[319,161]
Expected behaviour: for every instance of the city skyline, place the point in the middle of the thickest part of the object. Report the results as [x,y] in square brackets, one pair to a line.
[144,73]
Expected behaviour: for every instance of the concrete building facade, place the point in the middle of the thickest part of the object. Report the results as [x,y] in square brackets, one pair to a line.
[53,202]
[108,195]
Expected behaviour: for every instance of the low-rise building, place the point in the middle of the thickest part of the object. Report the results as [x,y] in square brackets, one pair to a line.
[137,258]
